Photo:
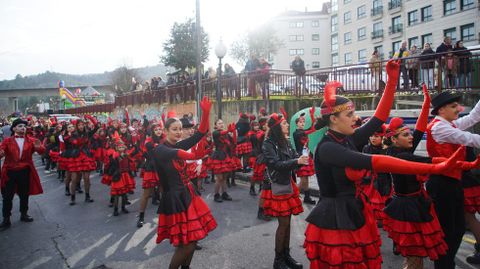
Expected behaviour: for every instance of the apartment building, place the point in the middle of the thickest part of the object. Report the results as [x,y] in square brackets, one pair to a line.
[358,27]
[303,33]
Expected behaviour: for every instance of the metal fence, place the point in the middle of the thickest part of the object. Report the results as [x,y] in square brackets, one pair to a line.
[438,71]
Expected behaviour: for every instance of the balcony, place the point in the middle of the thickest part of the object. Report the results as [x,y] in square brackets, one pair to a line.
[377,12]
[394,4]
[395,29]
[377,34]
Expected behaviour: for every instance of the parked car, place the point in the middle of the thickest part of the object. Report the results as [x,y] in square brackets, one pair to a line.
[312,85]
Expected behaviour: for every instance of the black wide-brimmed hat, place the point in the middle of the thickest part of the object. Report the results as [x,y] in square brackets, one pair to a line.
[442,99]
[17,122]
[186,123]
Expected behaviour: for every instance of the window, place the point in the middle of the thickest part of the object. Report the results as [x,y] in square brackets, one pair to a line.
[396,46]
[362,56]
[362,33]
[334,59]
[334,42]
[315,23]
[315,51]
[377,7]
[296,24]
[334,23]
[449,6]
[315,37]
[394,4]
[377,30]
[361,12]
[413,41]
[428,38]
[427,13]
[377,3]
[347,1]
[294,52]
[347,17]
[347,38]
[348,58]
[451,32]
[397,25]
[334,5]
[296,37]
[412,17]
[468,32]
[315,64]
[380,51]
[466,4]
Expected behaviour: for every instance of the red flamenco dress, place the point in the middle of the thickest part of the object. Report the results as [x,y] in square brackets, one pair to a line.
[471,186]
[243,144]
[258,164]
[410,218]
[120,172]
[221,159]
[149,175]
[300,138]
[183,215]
[80,157]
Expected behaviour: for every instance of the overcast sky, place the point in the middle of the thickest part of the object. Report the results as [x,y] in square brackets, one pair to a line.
[91,36]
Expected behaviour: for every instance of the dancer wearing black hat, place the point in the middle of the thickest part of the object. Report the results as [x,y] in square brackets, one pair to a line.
[446,134]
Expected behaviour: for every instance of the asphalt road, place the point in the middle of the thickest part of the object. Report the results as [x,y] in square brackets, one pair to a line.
[88,236]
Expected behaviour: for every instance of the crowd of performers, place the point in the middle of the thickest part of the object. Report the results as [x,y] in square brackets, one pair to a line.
[368,175]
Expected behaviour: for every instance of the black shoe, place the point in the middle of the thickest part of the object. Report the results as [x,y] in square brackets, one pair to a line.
[291,262]
[198,247]
[5,224]
[26,218]
[128,202]
[307,199]
[72,199]
[124,210]
[140,220]
[226,197]
[88,199]
[115,211]
[395,250]
[262,216]
[252,191]
[217,198]
[279,262]
[475,257]
[67,192]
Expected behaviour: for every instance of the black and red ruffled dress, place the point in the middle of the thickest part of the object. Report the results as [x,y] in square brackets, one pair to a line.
[119,174]
[149,175]
[410,218]
[183,215]
[99,148]
[471,186]
[342,231]
[78,153]
[221,159]
[300,138]
[258,163]
[244,145]
[280,160]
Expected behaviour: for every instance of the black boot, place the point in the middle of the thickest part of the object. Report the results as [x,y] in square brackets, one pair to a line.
[233,181]
[291,262]
[87,198]
[111,202]
[262,216]
[185,267]
[252,190]
[475,257]
[307,199]
[72,199]
[217,198]
[226,197]
[140,220]
[124,210]
[26,218]
[5,224]
[115,211]
[124,203]
[279,262]
[67,191]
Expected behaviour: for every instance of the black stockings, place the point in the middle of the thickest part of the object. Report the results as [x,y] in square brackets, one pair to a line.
[282,236]
[183,256]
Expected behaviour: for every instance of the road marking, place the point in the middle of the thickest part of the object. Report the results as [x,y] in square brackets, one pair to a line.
[468,239]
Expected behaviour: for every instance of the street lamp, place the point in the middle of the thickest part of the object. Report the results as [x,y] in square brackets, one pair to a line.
[220,51]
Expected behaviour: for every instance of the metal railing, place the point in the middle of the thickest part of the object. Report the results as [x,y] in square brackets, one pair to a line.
[437,71]
[377,34]
[377,11]
[394,4]
[397,28]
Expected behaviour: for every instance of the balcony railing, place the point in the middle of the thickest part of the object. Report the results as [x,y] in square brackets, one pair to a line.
[377,34]
[397,28]
[377,11]
[394,4]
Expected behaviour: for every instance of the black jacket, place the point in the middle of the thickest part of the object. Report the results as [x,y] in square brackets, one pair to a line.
[281,161]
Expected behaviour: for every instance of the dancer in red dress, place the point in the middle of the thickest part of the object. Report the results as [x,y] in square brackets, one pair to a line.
[243,146]
[260,166]
[184,218]
[18,171]
[256,150]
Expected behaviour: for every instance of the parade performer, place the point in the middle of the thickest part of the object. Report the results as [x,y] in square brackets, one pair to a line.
[282,199]
[18,171]
[260,166]
[471,191]
[243,145]
[66,148]
[184,218]
[150,176]
[221,159]
[341,230]
[131,142]
[256,151]
[445,134]
[99,145]
[300,138]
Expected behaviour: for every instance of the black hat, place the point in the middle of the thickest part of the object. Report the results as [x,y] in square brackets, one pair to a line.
[17,122]
[442,99]
[186,123]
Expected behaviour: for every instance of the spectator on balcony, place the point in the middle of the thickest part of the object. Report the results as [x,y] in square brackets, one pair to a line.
[230,80]
[250,68]
[298,67]
[464,65]
[412,65]
[375,65]
[264,76]
[442,49]
[402,53]
[449,68]
[427,64]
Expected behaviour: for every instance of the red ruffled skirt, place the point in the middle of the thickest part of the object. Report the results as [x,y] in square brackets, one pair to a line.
[106,179]
[282,205]
[54,156]
[306,170]
[189,226]
[420,239]
[244,148]
[62,163]
[471,199]
[258,172]
[235,163]
[99,154]
[204,170]
[220,166]
[121,186]
[150,179]
[82,163]
[376,201]
[344,249]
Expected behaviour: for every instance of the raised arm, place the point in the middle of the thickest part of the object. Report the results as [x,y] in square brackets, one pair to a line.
[469,120]
[422,120]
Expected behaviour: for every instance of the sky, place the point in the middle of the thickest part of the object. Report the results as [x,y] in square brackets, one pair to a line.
[93,36]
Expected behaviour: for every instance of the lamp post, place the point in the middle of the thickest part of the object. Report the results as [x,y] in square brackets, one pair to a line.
[220,51]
